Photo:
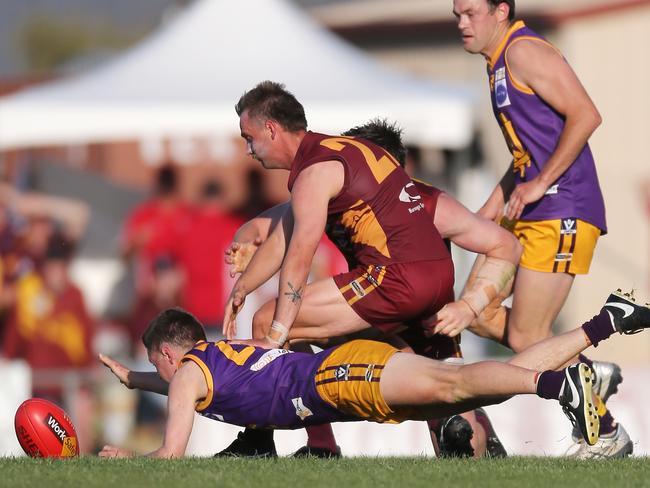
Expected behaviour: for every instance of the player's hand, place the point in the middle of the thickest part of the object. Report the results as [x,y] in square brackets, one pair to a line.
[115,452]
[453,318]
[523,194]
[239,254]
[233,306]
[118,369]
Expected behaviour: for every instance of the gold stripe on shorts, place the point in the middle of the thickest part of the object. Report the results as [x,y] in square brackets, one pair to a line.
[364,284]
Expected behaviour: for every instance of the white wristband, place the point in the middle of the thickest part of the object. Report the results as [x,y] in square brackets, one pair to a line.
[282,330]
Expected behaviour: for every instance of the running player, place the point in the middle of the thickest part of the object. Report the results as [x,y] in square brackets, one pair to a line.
[361,380]
[554,203]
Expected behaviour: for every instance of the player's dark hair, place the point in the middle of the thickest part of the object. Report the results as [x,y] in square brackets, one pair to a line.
[387,135]
[175,326]
[272,101]
[492,4]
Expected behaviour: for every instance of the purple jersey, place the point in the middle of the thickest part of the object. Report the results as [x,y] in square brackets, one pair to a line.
[251,386]
[532,130]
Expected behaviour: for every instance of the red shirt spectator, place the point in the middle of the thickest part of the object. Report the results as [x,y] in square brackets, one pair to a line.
[201,256]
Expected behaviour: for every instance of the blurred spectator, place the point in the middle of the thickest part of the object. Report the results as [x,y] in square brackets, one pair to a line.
[27,222]
[202,257]
[155,227]
[49,325]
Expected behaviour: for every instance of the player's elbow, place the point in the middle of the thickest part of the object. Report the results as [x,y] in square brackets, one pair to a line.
[596,118]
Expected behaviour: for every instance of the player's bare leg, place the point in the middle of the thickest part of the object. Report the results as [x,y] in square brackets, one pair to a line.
[531,319]
[323,313]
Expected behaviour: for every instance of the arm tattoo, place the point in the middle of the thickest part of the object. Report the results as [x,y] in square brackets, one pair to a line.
[294,295]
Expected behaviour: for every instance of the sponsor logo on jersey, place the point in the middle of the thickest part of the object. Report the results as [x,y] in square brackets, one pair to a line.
[357,289]
[417,208]
[56,428]
[501,88]
[342,372]
[268,357]
[568,226]
[406,197]
[301,410]
[563,256]
[213,416]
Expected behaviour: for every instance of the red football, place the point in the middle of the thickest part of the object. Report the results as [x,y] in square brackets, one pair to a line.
[44,430]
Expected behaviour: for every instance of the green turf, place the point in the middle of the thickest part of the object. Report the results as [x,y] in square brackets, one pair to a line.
[349,472]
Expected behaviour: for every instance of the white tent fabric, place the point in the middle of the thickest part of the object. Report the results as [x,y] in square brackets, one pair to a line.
[185,79]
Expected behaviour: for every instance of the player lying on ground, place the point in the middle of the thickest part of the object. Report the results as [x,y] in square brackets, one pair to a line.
[361,380]
[454,222]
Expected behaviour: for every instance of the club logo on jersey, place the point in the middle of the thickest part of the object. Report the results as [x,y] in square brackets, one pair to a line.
[406,197]
[357,289]
[268,357]
[301,410]
[562,257]
[56,429]
[501,88]
[568,226]
[342,372]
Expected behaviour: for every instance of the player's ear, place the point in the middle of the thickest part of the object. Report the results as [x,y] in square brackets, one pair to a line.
[166,352]
[502,11]
[272,127]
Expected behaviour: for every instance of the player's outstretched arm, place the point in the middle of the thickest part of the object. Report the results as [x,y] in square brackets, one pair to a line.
[539,66]
[187,387]
[140,380]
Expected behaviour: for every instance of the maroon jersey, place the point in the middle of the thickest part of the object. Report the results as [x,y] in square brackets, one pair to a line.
[430,196]
[379,217]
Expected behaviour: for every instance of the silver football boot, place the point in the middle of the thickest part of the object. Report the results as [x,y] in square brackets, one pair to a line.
[615,445]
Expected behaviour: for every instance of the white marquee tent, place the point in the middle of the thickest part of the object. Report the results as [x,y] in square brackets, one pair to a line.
[185,79]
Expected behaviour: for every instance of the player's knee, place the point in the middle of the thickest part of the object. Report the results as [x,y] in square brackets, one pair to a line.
[518,340]
[451,389]
[491,323]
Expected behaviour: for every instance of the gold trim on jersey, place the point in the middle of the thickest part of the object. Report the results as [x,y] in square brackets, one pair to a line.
[515,83]
[513,28]
[365,228]
[205,403]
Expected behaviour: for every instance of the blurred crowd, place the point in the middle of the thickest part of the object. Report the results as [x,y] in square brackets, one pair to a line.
[172,251]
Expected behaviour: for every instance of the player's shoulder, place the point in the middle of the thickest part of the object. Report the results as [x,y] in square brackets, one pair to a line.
[526,50]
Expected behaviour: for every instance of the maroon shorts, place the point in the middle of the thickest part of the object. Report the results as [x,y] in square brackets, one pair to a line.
[387,297]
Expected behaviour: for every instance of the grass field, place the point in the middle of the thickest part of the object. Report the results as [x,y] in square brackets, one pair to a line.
[516,472]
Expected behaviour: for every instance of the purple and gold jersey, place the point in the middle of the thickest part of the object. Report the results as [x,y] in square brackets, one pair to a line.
[378,218]
[251,386]
[532,130]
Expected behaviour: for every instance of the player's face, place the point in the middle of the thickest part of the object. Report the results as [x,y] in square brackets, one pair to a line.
[259,143]
[163,362]
[477,25]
